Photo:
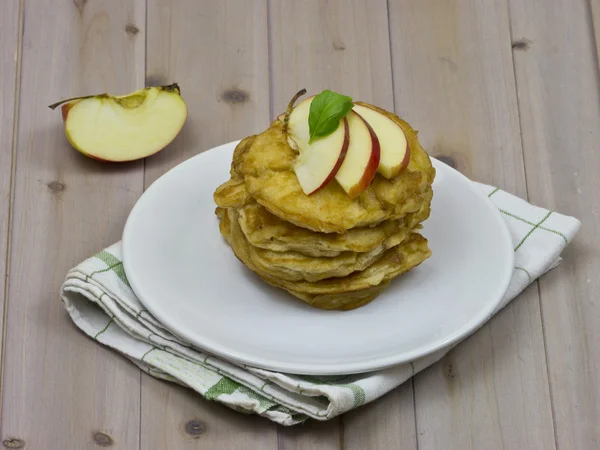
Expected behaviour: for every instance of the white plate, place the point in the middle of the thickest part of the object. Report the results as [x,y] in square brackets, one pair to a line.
[187,276]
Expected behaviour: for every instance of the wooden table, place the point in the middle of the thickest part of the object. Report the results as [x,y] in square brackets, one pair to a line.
[507,91]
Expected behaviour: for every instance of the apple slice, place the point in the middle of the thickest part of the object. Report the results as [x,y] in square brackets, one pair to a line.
[317,163]
[362,158]
[124,128]
[395,153]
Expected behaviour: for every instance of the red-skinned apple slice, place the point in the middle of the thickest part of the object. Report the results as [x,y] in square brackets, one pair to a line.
[317,163]
[362,158]
[395,153]
[124,128]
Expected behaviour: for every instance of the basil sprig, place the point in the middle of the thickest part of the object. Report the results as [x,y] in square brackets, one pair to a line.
[326,111]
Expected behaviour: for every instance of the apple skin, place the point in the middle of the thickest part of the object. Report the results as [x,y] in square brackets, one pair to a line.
[340,160]
[95,158]
[70,103]
[372,164]
[397,170]
[303,108]
[406,160]
[66,108]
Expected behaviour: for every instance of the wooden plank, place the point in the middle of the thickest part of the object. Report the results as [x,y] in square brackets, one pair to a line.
[61,389]
[174,417]
[338,45]
[559,99]
[218,53]
[343,46]
[10,48]
[386,423]
[312,435]
[225,84]
[453,78]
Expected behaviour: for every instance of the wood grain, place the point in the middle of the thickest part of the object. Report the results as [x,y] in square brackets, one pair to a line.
[388,422]
[218,53]
[343,46]
[60,387]
[558,86]
[312,435]
[174,417]
[454,82]
[595,17]
[338,45]
[10,46]
[453,78]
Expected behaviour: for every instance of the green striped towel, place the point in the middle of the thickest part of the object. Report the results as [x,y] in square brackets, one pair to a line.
[100,302]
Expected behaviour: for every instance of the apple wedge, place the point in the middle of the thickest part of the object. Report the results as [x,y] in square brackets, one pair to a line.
[124,128]
[317,163]
[395,153]
[362,157]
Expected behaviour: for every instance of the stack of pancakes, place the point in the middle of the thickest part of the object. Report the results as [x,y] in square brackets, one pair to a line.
[326,249]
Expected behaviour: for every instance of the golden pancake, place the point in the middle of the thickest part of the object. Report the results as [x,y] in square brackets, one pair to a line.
[262,169]
[341,302]
[294,266]
[326,249]
[267,231]
[334,293]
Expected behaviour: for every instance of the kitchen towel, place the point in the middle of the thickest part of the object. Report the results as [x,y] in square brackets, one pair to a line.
[100,301]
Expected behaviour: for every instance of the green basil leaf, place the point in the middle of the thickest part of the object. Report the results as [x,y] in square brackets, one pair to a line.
[326,111]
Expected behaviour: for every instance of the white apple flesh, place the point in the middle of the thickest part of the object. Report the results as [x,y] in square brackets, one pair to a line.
[125,128]
[395,153]
[362,158]
[317,163]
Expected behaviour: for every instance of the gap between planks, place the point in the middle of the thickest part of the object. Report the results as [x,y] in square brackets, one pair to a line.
[13,165]
[537,282]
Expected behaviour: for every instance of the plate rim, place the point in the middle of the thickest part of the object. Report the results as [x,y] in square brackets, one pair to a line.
[369,365]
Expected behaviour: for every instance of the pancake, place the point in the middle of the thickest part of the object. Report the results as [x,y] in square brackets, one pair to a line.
[294,266]
[341,302]
[326,249]
[262,169]
[267,231]
[341,293]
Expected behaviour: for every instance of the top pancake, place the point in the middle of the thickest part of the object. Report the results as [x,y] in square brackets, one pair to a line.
[262,169]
